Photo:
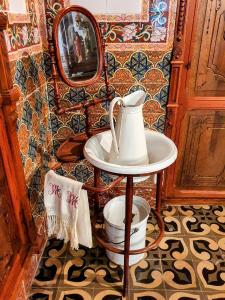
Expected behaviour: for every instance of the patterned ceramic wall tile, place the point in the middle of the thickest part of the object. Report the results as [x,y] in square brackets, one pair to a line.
[138,56]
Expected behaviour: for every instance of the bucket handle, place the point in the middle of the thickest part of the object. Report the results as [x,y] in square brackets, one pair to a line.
[118,243]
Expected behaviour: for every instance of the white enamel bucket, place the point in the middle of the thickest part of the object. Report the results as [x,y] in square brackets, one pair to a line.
[114,219]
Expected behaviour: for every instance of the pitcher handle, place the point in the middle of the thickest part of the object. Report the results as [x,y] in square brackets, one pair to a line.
[111,107]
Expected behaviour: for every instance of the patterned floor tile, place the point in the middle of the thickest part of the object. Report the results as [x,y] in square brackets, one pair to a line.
[55,248]
[147,295]
[211,275]
[77,272]
[42,294]
[49,272]
[147,274]
[221,244]
[74,294]
[204,220]
[188,264]
[204,224]
[180,275]
[153,254]
[174,248]
[172,225]
[109,294]
[90,267]
[184,295]
[194,210]
[214,296]
[169,210]
[205,248]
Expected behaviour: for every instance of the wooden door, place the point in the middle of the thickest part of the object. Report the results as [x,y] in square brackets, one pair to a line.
[17,231]
[8,230]
[196,107]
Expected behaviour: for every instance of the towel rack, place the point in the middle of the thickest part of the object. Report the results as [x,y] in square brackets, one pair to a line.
[97,189]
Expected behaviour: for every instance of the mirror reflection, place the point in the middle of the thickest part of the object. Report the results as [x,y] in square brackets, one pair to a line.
[77,46]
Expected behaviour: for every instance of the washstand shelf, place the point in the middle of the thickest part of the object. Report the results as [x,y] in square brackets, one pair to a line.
[162,153]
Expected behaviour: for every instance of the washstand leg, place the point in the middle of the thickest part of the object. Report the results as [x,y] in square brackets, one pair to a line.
[97,173]
[128,217]
[159,191]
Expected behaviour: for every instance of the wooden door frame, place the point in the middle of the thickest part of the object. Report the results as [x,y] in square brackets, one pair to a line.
[28,239]
[179,104]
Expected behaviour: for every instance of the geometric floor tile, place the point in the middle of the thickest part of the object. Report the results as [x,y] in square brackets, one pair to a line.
[189,263]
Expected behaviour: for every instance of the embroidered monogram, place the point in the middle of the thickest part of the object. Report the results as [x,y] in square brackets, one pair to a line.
[72,199]
[55,189]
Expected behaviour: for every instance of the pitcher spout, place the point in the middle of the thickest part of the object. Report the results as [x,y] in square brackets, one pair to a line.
[135,99]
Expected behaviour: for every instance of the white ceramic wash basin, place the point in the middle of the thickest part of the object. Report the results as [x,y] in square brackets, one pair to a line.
[162,153]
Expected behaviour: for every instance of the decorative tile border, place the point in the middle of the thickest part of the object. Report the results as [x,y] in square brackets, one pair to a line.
[155,34]
[29,37]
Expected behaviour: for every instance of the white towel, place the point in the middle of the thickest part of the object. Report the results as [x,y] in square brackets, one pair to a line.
[67,208]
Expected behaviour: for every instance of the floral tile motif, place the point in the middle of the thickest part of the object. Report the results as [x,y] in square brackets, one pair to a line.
[154,31]
[24,35]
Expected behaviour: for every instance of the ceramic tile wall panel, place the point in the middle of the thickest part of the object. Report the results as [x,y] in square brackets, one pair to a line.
[26,39]
[138,53]
[26,42]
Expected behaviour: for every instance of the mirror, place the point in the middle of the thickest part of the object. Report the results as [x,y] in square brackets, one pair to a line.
[78,46]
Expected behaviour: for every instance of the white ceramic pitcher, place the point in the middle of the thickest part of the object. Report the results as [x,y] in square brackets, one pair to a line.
[128,138]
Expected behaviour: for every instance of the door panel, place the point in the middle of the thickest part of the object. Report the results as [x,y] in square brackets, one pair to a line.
[203,162]
[207,73]
[9,242]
